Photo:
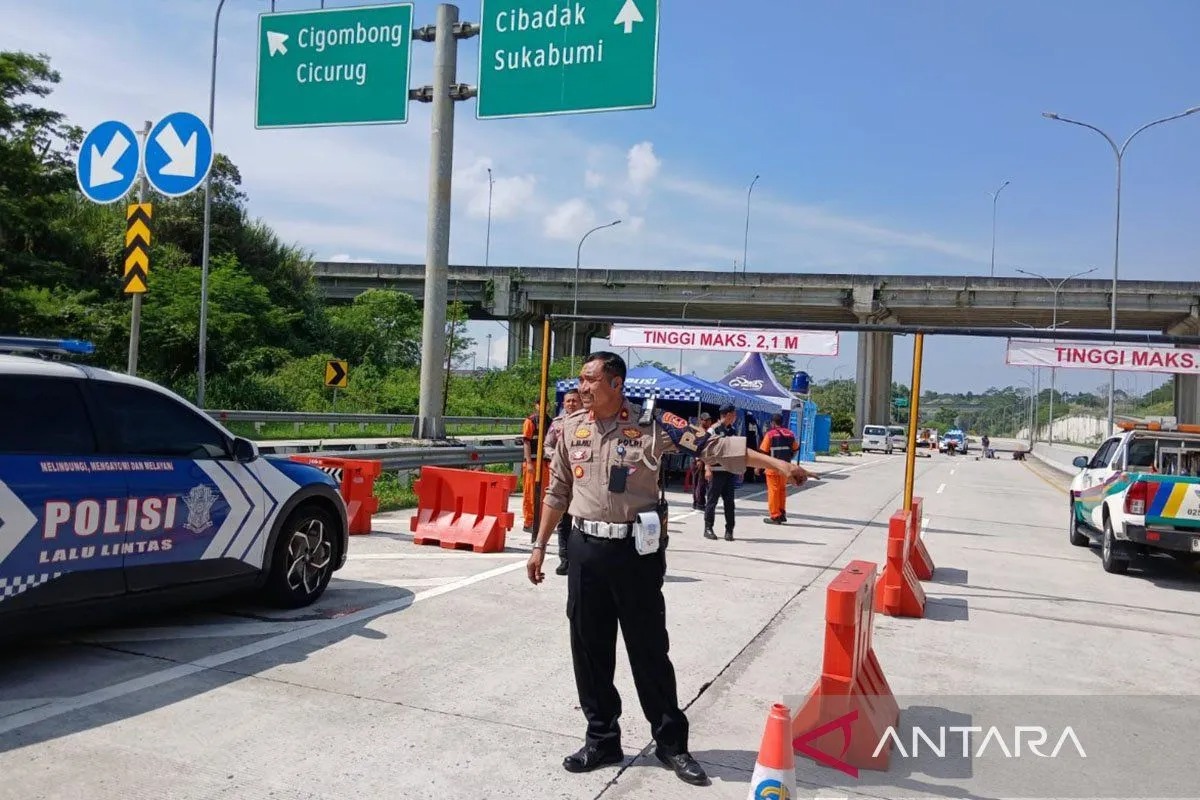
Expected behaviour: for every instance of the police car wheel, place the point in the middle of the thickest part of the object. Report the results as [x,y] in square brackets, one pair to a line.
[303,562]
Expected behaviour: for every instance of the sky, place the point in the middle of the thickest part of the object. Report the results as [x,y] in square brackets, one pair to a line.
[878,130]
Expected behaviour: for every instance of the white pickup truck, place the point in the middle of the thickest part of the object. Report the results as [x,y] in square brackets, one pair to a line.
[1139,495]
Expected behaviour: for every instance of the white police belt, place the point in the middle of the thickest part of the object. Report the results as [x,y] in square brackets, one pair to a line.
[604,530]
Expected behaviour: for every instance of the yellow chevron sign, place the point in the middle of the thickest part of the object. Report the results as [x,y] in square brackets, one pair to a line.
[337,374]
[137,247]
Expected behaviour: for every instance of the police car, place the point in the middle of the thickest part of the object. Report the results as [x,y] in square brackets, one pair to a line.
[115,490]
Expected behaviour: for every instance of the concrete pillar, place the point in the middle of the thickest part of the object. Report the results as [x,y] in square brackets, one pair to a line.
[518,340]
[874,380]
[1187,399]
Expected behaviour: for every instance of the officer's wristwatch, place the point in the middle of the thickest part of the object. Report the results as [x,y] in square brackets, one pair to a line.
[539,547]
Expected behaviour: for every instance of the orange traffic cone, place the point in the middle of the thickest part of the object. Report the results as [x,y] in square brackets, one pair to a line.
[774,775]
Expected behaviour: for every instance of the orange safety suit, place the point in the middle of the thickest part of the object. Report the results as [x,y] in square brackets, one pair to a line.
[779,442]
[529,432]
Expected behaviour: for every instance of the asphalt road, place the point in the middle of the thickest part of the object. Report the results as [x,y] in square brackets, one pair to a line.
[426,673]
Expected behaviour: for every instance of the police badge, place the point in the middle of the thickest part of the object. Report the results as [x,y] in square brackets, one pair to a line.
[199,502]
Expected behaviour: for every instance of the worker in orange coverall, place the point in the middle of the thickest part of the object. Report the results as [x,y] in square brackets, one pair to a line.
[779,442]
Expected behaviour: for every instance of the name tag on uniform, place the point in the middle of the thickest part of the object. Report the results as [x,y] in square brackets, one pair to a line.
[646,532]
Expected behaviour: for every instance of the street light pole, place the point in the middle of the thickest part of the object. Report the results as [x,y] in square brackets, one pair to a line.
[487,248]
[995,196]
[1119,152]
[746,240]
[575,305]
[207,233]
[1054,327]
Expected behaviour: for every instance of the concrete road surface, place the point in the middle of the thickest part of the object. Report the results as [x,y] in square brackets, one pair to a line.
[426,673]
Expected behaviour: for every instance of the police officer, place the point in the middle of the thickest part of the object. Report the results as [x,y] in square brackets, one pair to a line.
[604,472]
[721,481]
[571,404]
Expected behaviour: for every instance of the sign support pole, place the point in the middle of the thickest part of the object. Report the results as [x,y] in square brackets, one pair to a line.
[914,408]
[135,316]
[430,423]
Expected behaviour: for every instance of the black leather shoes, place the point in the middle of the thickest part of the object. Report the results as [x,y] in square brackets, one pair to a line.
[590,757]
[686,768]
[561,569]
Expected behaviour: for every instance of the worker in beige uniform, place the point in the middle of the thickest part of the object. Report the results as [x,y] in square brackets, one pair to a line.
[604,472]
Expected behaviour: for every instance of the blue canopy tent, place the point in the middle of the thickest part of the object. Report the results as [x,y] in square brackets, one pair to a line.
[687,394]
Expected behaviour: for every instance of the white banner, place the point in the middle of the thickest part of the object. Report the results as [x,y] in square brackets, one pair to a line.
[699,337]
[1119,357]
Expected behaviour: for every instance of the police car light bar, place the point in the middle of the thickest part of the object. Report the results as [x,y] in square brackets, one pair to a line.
[25,344]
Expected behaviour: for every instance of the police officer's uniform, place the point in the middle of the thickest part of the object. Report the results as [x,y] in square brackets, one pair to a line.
[599,476]
[564,526]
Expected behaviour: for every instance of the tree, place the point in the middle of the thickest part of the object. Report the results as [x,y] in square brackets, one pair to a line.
[782,366]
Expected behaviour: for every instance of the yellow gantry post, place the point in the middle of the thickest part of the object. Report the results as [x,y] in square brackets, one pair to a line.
[914,407]
[541,439]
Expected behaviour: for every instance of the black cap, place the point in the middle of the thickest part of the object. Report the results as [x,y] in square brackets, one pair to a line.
[728,408]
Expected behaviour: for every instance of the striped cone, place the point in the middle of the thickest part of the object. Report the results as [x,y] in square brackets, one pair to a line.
[774,775]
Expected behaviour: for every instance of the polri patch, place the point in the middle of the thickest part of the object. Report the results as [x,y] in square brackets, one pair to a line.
[632,433]
[578,471]
[674,421]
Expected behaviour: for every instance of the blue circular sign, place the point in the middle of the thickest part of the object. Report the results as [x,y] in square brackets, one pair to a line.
[107,164]
[179,154]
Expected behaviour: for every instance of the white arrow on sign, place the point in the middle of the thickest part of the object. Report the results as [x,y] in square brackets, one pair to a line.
[629,15]
[101,171]
[276,43]
[181,156]
[16,519]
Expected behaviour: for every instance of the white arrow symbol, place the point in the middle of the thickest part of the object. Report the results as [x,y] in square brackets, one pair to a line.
[16,520]
[181,157]
[629,15]
[101,171]
[276,43]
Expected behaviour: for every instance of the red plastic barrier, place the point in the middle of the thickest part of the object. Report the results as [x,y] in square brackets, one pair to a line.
[848,711]
[898,592]
[357,486]
[462,509]
[918,555]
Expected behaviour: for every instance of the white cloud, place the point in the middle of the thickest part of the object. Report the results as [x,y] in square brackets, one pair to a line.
[510,194]
[593,179]
[570,220]
[643,165]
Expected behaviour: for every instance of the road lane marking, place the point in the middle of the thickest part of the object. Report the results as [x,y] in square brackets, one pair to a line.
[64,706]
[941,488]
[952,472]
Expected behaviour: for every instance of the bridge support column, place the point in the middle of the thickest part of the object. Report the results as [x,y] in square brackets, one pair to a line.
[518,340]
[874,381]
[1187,399]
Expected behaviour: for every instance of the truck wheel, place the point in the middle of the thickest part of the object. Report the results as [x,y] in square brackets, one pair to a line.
[1078,539]
[1108,551]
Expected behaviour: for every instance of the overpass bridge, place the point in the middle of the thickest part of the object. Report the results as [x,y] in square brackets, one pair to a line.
[524,295]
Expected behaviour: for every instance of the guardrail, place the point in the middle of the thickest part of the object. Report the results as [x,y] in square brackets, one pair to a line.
[298,418]
[413,458]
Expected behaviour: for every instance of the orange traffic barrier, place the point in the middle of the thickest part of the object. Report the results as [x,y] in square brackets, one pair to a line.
[356,482]
[462,509]
[898,592]
[918,554]
[775,770]
[851,703]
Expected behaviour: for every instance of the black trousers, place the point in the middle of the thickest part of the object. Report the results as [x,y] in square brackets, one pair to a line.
[609,583]
[722,488]
[564,533]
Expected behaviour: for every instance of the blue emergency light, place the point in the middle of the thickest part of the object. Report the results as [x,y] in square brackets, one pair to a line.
[25,344]
[800,383]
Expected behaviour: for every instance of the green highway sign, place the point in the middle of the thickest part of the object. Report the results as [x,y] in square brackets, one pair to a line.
[337,66]
[541,57]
